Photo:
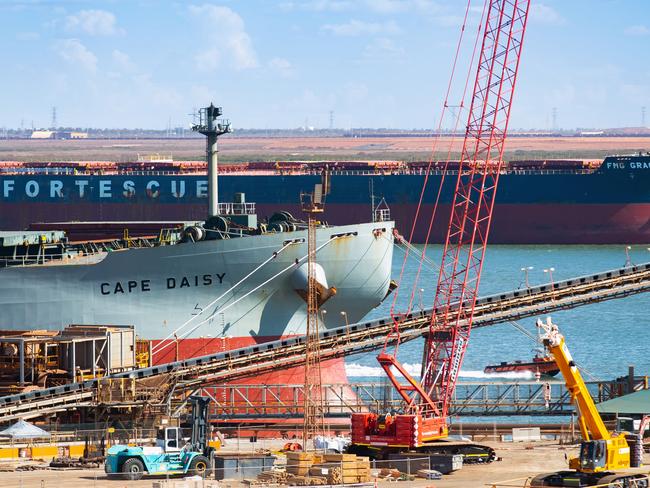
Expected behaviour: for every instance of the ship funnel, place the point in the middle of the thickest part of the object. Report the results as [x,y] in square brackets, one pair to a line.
[212,126]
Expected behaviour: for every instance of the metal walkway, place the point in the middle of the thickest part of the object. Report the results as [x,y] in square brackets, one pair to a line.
[263,403]
[133,388]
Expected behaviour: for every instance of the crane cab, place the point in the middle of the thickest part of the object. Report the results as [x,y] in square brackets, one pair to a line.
[602,455]
[169,439]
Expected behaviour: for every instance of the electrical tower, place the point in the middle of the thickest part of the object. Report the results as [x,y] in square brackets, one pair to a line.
[54,121]
[554,118]
[331,119]
[314,411]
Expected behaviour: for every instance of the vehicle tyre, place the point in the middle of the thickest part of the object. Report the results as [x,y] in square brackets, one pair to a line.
[198,466]
[132,469]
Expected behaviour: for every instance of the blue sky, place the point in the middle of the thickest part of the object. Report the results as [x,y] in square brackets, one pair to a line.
[374,63]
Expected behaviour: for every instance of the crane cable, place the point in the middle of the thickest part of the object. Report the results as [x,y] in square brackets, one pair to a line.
[453,138]
[168,344]
[188,321]
[396,321]
[537,341]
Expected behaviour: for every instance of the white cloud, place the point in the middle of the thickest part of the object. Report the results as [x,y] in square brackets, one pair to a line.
[122,60]
[382,48]
[281,66]
[359,28]
[158,94]
[388,6]
[637,31]
[397,6]
[544,14]
[93,22]
[74,52]
[208,59]
[319,5]
[227,33]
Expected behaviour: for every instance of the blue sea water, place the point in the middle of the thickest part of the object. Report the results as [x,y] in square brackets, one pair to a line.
[604,338]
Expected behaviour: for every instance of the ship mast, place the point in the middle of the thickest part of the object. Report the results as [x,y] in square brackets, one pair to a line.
[211,126]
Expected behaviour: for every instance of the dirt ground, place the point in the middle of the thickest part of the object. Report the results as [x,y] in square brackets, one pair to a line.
[262,148]
[519,461]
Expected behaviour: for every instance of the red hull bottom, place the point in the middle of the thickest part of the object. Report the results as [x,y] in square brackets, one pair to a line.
[512,223]
[237,404]
[332,371]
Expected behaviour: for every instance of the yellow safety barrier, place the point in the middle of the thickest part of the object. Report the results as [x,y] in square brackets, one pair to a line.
[43,452]
[8,452]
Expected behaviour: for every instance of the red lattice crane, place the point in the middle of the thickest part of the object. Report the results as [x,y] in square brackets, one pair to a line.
[427,401]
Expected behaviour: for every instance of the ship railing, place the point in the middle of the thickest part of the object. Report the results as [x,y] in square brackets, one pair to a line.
[346,172]
[233,208]
[63,258]
[382,215]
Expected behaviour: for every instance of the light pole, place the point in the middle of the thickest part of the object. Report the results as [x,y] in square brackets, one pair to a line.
[347,325]
[525,271]
[628,261]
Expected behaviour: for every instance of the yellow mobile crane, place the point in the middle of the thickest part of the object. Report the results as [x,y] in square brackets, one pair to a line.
[601,452]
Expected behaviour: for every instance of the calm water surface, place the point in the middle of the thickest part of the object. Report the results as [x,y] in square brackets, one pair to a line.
[604,338]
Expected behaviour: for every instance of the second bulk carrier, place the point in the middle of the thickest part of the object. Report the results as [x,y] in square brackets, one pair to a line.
[538,202]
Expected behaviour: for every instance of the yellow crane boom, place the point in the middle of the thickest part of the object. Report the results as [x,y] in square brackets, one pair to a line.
[591,423]
[601,452]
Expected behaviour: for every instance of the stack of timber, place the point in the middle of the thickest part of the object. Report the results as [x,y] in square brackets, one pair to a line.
[312,469]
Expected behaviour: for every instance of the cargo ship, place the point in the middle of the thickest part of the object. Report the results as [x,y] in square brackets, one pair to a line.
[226,281]
[538,202]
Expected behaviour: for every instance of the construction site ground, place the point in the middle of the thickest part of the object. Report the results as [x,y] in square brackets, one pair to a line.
[519,461]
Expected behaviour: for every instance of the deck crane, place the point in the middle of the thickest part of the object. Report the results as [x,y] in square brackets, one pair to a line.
[601,451]
[427,401]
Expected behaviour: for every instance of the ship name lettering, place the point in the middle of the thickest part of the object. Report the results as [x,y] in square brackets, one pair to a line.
[639,166]
[105,189]
[55,188]
[202,188]
[150,191]
[129,188]
[176,192]
[32,188]
[615,165]
[8,185]
[196,280]
[82,184]
[129,287]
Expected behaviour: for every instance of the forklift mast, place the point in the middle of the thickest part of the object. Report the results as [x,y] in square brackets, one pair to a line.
[199,421]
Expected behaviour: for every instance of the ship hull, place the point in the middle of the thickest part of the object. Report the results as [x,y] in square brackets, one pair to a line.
[214,290]
[610,205]
[606,223]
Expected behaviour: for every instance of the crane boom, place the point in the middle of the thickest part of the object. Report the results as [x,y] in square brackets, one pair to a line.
[601,452]
[469,224]
[591,423]
[427,401]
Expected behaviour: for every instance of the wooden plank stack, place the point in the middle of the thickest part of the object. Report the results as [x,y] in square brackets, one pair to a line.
[310,469]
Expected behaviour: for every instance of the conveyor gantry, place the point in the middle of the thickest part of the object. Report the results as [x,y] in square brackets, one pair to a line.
[190,374]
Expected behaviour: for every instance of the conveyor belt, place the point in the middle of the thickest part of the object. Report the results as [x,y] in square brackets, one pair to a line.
[226,366]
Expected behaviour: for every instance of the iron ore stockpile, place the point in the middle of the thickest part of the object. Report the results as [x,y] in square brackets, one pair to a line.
[158,328]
